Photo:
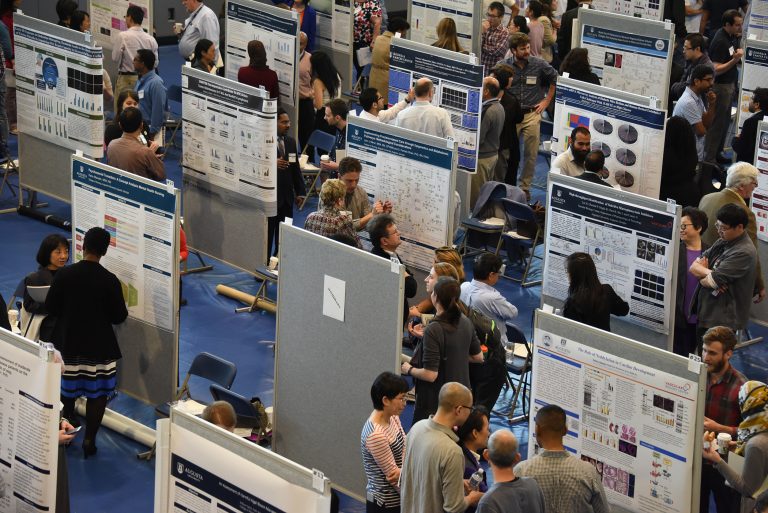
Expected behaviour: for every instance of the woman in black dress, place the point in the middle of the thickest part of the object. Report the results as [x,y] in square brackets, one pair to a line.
[87,300]
[589,301]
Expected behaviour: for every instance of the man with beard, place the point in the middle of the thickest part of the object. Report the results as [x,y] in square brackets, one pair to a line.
[721,413]
[571,161]
[744,144]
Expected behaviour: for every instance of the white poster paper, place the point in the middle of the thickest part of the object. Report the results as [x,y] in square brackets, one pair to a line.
[140,217]
[324,31]
[757,21]
[630,245]
[631,136]
[634,423]
[425,15]
[759,203]
[334,296]
[342,26]
[108,18]
[415,177]
[59,88]
[648,9]
[29,432]
[276,29]
[230,146]
[754,74]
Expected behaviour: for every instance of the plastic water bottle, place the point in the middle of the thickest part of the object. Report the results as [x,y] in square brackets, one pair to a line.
[476,479]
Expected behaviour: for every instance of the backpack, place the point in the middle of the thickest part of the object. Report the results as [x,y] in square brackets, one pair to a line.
[488,334]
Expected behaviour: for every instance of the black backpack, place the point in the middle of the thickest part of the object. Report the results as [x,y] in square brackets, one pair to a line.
[488,334]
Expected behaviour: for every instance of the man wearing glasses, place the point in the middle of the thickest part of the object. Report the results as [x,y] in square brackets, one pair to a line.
[495,36]
[373,104]
[694,54]
[432,478]
[739,186]
[744,144]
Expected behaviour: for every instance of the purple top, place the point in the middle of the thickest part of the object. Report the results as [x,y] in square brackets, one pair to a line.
[690,284]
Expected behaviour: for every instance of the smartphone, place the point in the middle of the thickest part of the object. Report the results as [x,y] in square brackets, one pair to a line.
[73,430]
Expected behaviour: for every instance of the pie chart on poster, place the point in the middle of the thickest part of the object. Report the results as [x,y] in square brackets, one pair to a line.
[603,126]
[601,146]
[626,157]
[624,178]
[628,134]
[50,72]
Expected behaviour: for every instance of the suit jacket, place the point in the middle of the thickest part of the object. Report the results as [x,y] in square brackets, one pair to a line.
[290,183]
[410,281]
[592,177]
[744,145]
[566,31]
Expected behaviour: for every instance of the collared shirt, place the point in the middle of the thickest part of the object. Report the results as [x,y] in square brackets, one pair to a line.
[489,301]
[722,403]
[568,483]
[129,154]
[305,77]
[494,46]
[330,221]
[530,83]
[153,100]
[566,165]
[202,23]
[385,116]
[426,118]
[340,144]
[129,42]
[691,107]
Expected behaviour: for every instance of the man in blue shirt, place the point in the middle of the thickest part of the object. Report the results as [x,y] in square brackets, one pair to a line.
[691,107]
[153,101]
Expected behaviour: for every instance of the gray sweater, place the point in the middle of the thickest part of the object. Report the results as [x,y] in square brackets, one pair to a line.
[491,125]
[754,473]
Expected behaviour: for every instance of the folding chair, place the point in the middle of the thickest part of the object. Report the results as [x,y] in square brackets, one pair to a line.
[173,95]
[247,417]
[517,213]
[489,229]
[319,140]
[519,365]
[8,168]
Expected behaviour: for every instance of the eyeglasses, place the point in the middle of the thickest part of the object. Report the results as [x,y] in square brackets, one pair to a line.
[684,226]
[470,408]
[720,227]
[489,15]
[379,98]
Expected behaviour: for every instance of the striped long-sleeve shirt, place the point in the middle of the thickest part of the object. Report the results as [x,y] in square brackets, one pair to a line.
[383,449]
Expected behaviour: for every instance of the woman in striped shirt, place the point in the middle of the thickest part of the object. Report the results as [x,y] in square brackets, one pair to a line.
[382,443]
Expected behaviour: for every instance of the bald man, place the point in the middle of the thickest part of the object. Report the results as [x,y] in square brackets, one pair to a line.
[432,478]
[490,136]
[424,117]
[509,493]
[222,414]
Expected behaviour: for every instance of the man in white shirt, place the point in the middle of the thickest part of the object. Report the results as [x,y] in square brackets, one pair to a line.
[124,50]
[691,107]
[571,161]
[202,23]
[424,117]
[373,105]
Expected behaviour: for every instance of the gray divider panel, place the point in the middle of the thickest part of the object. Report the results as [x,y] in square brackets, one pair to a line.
[628,353]
[324,367]
[631,204]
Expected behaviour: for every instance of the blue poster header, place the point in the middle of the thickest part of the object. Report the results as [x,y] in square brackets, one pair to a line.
[756,56]
[125,187]
[424,63]
[380,141]
[636,43]
[261,19]
[610,107]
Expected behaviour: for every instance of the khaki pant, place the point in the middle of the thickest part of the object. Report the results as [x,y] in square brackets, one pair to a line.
[122,83]
[529,130]
[485,170]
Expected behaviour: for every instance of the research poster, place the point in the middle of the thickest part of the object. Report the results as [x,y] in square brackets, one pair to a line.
[759,203]
[277,29]
[458,89]
[632,247]
[627,61]
[757,20]
[108,18]
[754,74]
[140,216]
[634,423]
[230,133]
[59,87]
[417,177]
[206,477]
[342,25]
[425,15]
[29,432]
[630,135]
[648,9]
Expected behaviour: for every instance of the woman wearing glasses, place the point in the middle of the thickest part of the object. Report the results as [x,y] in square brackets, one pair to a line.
[692,225]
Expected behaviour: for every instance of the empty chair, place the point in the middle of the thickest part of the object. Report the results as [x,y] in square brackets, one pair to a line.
[320,141]
[173,123]
[524,238]
[519,364]
[484,228]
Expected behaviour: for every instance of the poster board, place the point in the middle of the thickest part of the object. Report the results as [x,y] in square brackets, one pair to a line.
[278,29]
[757,20]
[201,467]
[313,356]
[59,85]
[334,35]
[108,19]
[632,410]
[634,243]
[647,9]
[754,74]
[230,139]
[759,203]
[416,172]
[141,217]
[458,81]
[424,15]
[629,54]
[629,129]
[30,383]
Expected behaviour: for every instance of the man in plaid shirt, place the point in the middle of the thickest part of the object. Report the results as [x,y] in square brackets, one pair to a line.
[721,413]
[495,37]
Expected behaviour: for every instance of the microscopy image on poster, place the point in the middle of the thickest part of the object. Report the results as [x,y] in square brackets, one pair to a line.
[141,221]
[425,16]
[59,88]
[276,29]
[754,74]
[108,18]
[631,421]
[759,203]
[416,177]
[458,89]
[631,245]
[648,9]
[629,62]
[631,136]
[230,145]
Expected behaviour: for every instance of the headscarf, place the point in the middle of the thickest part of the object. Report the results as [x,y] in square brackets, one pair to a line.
[257,54]
[753,404]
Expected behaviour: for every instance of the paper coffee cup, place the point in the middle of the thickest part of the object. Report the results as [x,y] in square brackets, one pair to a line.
[13,317]
[723,442]
[178,27]
[325,158]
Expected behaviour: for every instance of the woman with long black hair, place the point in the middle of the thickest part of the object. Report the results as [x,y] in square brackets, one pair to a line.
[589,301]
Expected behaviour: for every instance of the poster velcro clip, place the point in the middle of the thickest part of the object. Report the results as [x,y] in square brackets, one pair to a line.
[169,186]
[472,58]
[79,153]
[671,205]
[653,102]
[47,351]
[449,142]
[318,480]
[667,24]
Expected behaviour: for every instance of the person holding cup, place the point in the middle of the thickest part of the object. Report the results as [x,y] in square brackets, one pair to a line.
[202,23]
[752,444]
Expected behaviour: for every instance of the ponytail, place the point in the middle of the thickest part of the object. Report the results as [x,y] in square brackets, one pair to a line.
[447,291]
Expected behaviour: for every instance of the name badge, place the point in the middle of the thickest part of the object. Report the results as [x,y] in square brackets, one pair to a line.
[141,95]
[291,157]
[531,80]
[730,51]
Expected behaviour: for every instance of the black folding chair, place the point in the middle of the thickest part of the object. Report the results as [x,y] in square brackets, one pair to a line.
[319,140]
